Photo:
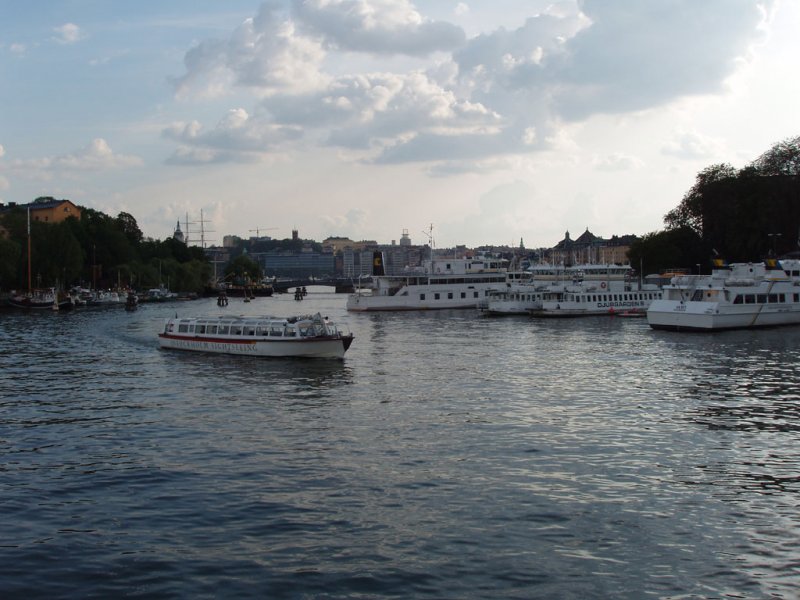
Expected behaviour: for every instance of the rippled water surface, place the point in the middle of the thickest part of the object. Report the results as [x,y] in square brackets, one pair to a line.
[448,456]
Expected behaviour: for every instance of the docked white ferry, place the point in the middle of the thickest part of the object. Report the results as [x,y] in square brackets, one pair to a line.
[737,296]
[599,298]
[526,292]
[442,283]
[310,336]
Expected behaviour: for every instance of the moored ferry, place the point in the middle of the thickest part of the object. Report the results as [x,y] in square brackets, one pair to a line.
[311,336]
[735,296]
[526,291]
[442,283]
[598,298]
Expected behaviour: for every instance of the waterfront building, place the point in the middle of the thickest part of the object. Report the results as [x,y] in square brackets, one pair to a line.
[46,209]
[294,264]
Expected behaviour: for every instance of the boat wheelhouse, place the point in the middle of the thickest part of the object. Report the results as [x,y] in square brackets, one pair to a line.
[311,336]
[442,283]
[737,296]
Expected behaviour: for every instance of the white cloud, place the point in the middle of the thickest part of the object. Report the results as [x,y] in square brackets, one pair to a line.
[237,137]
[265,54]
[2,151]
[95,156]
[352,223]
[69,33]
[501,93]
[377,26]
[461,9]
[18,49]
[617,162]
[692,145]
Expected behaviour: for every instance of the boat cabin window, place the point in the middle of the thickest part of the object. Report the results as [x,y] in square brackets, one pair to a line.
[463,295]
[475,294]
[305,330]
[436,296]
[772,298]
[422,296]
[697,296]
[211,329]
[183,328]
[223,329]
[191,328]
[449,295]
[289,331]
[236,330]
[796,298]
[200,329]
[761,298]
[749,299]
[738,299]
[276,331]
[248,330]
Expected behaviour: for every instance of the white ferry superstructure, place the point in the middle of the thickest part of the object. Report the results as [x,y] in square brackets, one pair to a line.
[737,296]
[439,284]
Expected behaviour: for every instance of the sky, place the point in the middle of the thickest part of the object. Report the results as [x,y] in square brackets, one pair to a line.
[493,121]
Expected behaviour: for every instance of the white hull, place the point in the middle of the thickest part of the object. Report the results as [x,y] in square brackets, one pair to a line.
[706,316]
[333,348]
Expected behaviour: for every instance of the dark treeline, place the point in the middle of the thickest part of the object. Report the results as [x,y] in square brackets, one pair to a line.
[739,215]
[96,250]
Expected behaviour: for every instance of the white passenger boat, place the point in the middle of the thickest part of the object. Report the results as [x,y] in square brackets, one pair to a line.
[310,336]
[737,296]
[525,294]
[598,298]
[442,283]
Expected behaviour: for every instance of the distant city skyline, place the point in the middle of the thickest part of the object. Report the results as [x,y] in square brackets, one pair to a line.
[494,121]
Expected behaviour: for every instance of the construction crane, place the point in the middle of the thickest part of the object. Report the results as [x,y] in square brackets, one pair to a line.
[259,229]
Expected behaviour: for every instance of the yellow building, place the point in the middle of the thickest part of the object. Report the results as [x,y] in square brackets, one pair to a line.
[50,210]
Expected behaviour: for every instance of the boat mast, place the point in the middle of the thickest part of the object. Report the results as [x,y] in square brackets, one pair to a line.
[30,290]
[429,235]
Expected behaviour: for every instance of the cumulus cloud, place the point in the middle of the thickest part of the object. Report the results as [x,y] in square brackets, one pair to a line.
[377,26]
[617,162]
[692,145]
[238,137]
[265,53]
[68,33]
[368,110]
[94,156]
[639,55]
[508,91]
[350,223]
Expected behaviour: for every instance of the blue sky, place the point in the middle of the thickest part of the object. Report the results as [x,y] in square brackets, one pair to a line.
[492,120]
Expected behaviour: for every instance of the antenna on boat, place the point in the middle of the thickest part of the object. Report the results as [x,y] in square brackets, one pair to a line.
[429,234]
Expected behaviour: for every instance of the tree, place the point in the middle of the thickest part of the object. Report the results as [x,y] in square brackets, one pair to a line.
[658,251]
[243,269]
[10,254]
[129,228]
[782,159]
[693,207]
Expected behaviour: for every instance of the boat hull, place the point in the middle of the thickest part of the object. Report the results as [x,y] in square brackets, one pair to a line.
[333,347]
[705,316]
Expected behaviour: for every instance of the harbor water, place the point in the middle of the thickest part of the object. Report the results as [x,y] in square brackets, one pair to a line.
[449,455]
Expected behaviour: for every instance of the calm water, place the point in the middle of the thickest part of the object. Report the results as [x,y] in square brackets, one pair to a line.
[448,456]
